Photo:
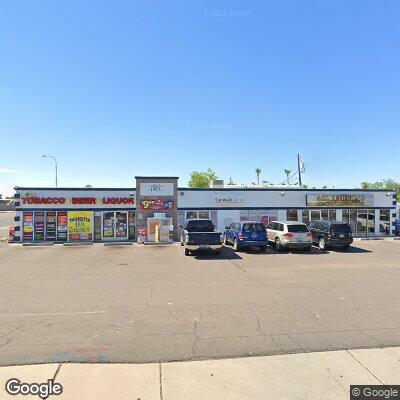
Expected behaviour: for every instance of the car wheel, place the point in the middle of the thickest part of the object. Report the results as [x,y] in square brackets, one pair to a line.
[217,252]
[322,243]
[236,246]
[187,252]
[263,248]
[278,244]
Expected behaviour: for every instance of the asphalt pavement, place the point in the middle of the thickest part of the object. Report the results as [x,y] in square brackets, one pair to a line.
[152,304]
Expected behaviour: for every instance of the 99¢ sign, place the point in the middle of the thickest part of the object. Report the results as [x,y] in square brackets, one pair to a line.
[156,204]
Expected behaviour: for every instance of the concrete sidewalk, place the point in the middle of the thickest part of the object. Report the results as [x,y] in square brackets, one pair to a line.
[325,375]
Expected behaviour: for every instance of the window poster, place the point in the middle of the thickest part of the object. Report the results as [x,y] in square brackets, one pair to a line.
[62,224]
[108,224]
[39,225]
[51,225]
[121,224]
[27,226]
[80,225]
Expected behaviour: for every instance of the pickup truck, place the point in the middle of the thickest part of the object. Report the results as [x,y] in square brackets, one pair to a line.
[200,234]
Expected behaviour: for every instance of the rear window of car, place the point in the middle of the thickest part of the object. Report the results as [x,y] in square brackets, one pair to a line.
[345,228]
[297,228]
[253,227]
[198,225]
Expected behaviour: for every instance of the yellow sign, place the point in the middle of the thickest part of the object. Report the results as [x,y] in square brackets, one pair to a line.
[80,226]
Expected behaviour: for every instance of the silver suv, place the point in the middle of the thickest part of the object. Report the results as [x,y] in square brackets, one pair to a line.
[289,234]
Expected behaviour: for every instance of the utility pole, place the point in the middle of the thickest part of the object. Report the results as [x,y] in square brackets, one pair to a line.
[299,169]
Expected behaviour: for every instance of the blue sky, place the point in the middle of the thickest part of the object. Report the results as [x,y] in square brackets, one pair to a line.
[124,88]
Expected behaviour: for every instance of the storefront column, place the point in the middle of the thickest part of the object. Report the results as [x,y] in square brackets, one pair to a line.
[339,215]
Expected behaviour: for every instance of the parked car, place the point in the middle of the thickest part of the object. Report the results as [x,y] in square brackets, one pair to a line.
[397,227]
[246,234]
[331,234]
[200,234]
[289,234]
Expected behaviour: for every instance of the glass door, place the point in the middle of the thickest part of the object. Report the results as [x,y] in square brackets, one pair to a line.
[315,215]
[115,225]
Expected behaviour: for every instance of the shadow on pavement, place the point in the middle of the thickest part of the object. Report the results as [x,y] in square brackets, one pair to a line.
[225,254]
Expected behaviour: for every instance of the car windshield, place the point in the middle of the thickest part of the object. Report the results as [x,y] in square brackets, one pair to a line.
[198,225]
[252,227]
[345,228]
[298,228]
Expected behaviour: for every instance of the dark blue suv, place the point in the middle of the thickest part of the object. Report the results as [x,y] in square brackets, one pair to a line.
[246,234]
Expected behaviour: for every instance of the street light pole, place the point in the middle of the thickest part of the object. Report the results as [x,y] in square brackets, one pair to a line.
[55,161]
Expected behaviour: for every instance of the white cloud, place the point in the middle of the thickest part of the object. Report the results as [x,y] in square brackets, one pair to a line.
[8,171]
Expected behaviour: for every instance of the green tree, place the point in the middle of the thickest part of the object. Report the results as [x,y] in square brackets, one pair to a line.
[202,179]
[258,172]
[389,184]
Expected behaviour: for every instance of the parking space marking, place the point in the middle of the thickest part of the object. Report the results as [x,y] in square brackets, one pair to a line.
[51,314]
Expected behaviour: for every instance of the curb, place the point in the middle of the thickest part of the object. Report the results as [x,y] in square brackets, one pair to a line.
[38,244]
[78,244]
[119,244]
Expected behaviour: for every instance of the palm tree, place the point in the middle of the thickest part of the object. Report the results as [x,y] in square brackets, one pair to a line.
[258,172]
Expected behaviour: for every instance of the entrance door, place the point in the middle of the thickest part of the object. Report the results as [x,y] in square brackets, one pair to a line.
[115,225]
[158,229]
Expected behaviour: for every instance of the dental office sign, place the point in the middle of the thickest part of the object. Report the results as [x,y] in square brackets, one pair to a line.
[156,189]
[226,199]
[340,200]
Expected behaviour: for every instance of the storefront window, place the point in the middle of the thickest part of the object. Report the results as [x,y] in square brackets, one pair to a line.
[305,214]
[371,222]
[315,215]
[62,226]
[39,225]
[325,215]
[191,214]
[51,222]
[121,224]
[108,224]
[204,214]
[291,215]
[80,225]
[197,215]
[384,222]
[332,215]
[131,225]
[362,216]
[353,220]
[27,229]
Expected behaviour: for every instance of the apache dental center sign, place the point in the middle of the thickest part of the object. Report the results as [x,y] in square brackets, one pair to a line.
[224,199]
[156,189]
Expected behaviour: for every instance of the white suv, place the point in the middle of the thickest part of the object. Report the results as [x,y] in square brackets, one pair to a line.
[289,234]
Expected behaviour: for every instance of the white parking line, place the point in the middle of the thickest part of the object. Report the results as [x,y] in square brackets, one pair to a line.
[50,314]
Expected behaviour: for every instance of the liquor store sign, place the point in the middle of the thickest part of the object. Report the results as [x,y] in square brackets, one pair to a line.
[340,200]
[31,199]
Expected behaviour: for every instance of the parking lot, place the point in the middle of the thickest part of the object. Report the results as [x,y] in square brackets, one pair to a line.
[151,303]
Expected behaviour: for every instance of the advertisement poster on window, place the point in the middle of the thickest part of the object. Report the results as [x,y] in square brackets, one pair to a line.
[28,226]
[51,225]
[62,226]
[108,224]
[141,235]
[121,225]
[39,226]
[80,225]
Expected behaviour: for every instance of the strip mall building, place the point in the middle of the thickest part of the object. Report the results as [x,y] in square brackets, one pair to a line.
[156,206]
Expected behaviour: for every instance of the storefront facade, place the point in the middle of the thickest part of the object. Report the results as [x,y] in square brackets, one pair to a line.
[153,209]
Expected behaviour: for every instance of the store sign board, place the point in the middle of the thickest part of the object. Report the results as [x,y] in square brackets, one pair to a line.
[340,200]
[35,200]
[80,225]
[156,204]
[156,189]
[226,199]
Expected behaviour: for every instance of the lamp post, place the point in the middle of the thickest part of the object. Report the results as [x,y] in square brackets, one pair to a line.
[55,161]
